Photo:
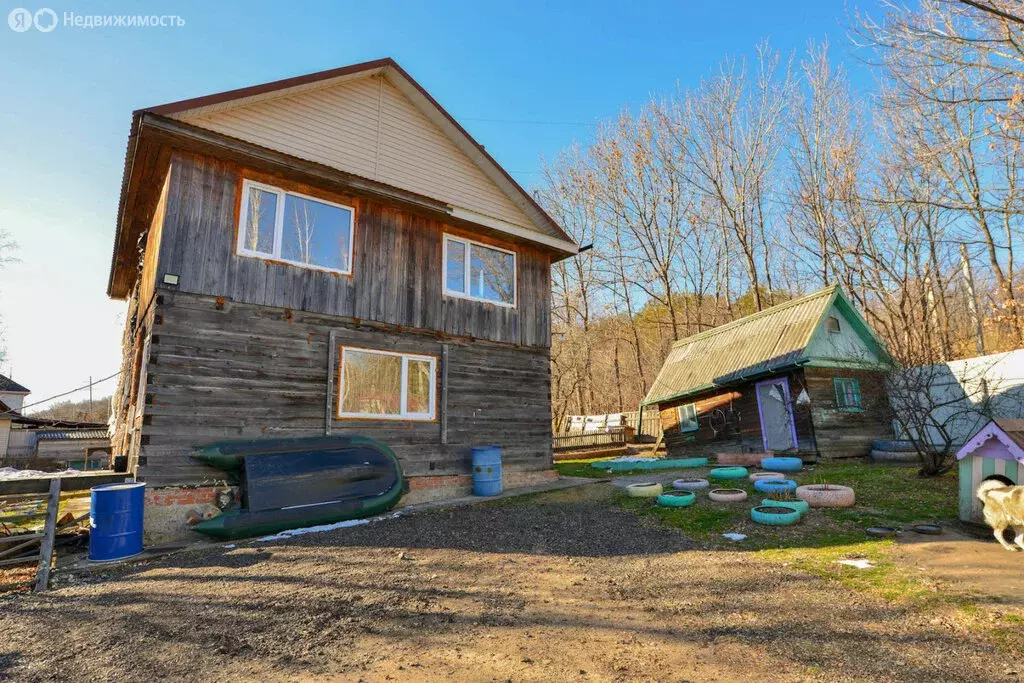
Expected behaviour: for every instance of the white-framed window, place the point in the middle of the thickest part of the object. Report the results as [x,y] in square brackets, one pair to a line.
[480,272]
[295,228]
[386,385]
[688,417]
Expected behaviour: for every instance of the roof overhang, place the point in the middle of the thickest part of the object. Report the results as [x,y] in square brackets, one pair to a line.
[148,155]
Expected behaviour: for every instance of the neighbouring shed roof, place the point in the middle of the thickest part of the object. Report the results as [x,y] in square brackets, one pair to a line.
[8,385]
[72,435]
[768,341]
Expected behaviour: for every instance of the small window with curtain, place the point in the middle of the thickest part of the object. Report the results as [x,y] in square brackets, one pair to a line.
[847,394]
[386,385]
[479,272]
[688,417]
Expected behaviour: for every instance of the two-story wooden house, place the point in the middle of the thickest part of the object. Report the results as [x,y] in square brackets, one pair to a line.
[328,254]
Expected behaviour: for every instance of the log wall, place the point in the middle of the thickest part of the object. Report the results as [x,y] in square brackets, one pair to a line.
[397,262]
[842,433]
[221,369]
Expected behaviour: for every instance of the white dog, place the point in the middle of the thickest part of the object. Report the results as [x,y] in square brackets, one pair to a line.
[1004,509]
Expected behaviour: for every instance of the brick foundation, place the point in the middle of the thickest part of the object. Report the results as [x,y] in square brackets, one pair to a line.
[169,508]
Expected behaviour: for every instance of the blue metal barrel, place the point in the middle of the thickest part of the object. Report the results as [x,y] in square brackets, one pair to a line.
[486,470]
[115,521]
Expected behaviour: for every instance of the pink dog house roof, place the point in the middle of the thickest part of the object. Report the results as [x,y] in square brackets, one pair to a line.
[1002,439]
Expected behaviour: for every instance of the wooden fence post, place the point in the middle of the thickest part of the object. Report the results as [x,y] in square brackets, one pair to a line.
[49,531]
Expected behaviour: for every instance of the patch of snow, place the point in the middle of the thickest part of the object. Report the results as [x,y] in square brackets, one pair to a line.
[14,473]
[858,564]
[325,527]
[735,537]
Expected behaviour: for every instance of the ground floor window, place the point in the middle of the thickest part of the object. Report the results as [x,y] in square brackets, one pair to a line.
[847,393]
[688,418]
[386,385]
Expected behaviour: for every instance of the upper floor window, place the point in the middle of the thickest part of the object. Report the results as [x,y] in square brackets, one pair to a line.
[294,228]
[832,324]
[478,271]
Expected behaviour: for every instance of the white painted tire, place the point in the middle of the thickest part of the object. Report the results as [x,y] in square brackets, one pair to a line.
[690,484]
[645,490]
[727,495]
[757,476]
[826,495]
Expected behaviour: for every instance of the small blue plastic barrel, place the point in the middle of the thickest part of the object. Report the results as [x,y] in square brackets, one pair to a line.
[115,521]
[486,470]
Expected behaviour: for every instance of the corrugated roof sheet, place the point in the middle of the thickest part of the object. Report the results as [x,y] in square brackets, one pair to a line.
[770,340]
[73,434]
[8,384]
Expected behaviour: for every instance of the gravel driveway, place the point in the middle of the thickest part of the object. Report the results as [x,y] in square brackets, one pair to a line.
[552,587]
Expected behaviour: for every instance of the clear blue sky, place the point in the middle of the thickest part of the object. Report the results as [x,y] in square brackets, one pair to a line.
[66,98]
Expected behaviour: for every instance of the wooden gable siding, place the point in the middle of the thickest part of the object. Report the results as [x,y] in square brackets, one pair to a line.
[367,127]
[151,253]
[225,370]
[730,422]
[396,266]
[847,434]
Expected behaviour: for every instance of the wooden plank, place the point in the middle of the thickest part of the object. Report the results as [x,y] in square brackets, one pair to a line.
[49,529]
[332,351]
[21,560]
[79,482]
[443,403]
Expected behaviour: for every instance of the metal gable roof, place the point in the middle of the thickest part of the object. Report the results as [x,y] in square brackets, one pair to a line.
[770,340]
[10,386]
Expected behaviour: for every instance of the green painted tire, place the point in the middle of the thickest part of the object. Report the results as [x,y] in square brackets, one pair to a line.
[800,506]
[729,473]
[774,515]
[677,499]
[645,490]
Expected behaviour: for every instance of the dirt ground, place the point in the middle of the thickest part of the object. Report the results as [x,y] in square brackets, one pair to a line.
[986,570]
[558,586]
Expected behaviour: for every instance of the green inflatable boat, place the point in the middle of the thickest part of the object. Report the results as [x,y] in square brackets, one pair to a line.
[296,483]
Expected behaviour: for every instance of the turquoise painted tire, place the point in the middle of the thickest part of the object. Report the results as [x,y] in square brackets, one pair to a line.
[800,506]
[729,473]
[677,499]
[775,486]
[782,464]
[775,515]
[690,484]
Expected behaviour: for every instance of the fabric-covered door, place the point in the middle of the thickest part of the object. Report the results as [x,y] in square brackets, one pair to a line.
[776,415]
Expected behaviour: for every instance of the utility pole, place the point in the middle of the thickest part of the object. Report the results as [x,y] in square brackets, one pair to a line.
[972,301]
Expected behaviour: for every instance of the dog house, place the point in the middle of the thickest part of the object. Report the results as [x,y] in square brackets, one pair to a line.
[994,452]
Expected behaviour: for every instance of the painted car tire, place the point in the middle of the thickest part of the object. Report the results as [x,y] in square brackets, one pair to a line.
[677,499]
[729,473]
[645,490]
[826,495]
[800,506]
[727,495]
[909,457]
[895,446]
[782,464]
[773,515]
[758,476]
[690,484]
[775,486]
[927,529]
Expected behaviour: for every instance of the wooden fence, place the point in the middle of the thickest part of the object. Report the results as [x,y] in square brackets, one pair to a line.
[648,430]
[614,437]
